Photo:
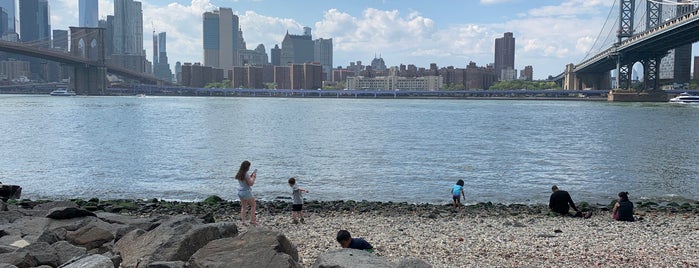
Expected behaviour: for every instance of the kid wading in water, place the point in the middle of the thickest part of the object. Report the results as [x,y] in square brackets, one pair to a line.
[457,191]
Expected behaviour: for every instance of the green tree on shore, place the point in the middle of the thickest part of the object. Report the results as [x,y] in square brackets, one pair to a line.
[521,84]
[222,84]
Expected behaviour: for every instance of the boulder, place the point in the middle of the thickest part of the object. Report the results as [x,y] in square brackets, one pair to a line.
[89,236]
[258,247]
[42,252]
[167,264]
[174,240]
[90,261]
[66,251]
[3,206]
[7,265]
[8,191]
[61,213]
[19,259]
[350,258]
[413,263]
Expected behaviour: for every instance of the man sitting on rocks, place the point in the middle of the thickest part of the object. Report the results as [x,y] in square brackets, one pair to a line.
[346,241]
[560,200]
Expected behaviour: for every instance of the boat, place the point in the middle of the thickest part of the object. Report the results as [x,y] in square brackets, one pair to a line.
[141,95]
[62,92]
[685,98]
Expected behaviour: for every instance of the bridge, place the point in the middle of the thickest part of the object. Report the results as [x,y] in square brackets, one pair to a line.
[88,62]
[647,47]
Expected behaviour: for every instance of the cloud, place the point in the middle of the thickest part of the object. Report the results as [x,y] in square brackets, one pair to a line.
[492,2]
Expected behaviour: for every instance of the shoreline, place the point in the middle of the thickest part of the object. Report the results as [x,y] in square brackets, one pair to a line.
[480,235]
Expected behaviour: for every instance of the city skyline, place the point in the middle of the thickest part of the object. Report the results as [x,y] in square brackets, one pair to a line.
[402,32]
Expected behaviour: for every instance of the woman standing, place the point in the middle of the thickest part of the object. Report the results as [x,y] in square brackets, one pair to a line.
[245,182]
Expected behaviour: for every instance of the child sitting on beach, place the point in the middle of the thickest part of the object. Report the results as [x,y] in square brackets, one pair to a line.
[457,191]
[346,241]
[297,205]
[623,209]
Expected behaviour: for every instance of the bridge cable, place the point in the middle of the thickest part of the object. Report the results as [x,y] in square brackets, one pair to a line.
[611,10]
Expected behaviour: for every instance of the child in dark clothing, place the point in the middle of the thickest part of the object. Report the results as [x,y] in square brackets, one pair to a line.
[346,241]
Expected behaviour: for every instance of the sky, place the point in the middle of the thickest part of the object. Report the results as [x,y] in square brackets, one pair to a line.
[548,34]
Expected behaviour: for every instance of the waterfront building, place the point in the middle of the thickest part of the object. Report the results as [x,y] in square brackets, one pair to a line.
[306,76]
[505,56]
[220,37]
[342,75]
[430,83]
[14,69]
[246,77]
[282,77]
[257,57]
[323,54]
[297,49]
[198,75]
[88,13]
[527,74]
[276,54]
[178,72]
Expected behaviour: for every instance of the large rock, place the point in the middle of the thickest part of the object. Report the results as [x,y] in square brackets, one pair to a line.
[174,240]
[66,251]
[19,259]
[42,252]
[413,263]
[167,264]
[89,236]
[258,247]
[62,213]
[90,261]
[351,258]
[3,206]
[8,191]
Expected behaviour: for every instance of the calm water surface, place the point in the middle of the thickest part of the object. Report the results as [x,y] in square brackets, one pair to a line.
[187,148]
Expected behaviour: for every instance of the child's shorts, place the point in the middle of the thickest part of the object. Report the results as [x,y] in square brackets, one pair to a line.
[296,207]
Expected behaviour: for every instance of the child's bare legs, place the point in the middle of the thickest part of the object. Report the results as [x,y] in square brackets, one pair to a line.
[243,208]
[253,217]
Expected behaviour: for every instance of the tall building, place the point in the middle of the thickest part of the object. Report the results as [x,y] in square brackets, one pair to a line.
[220,36]
[161,67]
[297,49]
[128,27]
[676,66]
[323,53]
[276,54]
[108,26]
[12,20]
[34,22]
[504,54]
[696,67]
[527,74]
[88,13]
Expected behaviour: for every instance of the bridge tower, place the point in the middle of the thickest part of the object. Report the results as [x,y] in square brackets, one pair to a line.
[651,62]
[626,18]
[88,42]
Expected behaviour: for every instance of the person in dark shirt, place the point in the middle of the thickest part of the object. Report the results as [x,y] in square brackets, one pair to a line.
[346,241]
[561,202]
[623,209]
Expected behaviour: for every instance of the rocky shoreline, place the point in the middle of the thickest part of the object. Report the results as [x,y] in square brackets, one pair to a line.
[404,235]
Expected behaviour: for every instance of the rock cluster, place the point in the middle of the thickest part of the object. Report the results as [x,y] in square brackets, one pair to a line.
[63,234]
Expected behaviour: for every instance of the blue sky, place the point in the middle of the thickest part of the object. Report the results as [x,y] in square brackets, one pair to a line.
[549,34]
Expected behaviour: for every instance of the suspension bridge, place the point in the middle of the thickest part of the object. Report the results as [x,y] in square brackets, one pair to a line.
[643,32]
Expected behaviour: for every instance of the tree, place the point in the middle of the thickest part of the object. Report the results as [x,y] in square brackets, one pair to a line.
[270,85]
[222,84]
[521,84]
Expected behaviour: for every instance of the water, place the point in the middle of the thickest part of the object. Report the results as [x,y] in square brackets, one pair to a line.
[187,148]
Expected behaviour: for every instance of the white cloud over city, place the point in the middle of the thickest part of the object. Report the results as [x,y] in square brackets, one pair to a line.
[547,37]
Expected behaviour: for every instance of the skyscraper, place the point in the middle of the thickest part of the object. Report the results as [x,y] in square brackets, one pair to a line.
[34,22]
[128,27]
[10,7]
[220,38]
[323,53]
[88,13]
[161,67]
[504,55]
[297,49]
[276,54]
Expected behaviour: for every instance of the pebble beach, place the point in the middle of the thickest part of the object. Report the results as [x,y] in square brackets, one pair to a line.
[479,237]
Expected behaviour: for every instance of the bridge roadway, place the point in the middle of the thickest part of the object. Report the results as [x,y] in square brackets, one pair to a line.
[673,33]
[67,58]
